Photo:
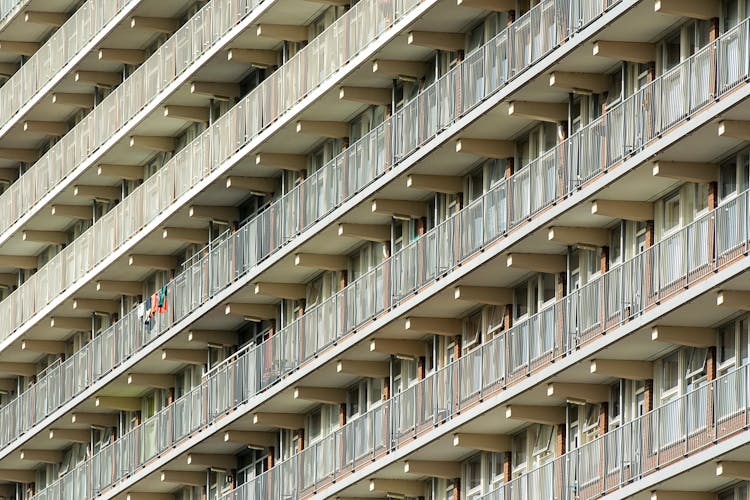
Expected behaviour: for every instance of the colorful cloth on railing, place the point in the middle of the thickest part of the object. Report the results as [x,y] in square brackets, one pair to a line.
[155,304]
[162,305]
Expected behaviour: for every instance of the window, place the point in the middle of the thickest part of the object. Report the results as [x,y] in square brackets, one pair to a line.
[519,455]
[476,184]
[494,319]
[497,474]
[572,434]
[315,425]
[548,287]
[591,424]
[543,440]
[521,300]
[472,331]
[701,197]
[727,347]
[614,404]
[615,244]
[355,405]
[671,214]
[473,480]
[375,392]
[727,179]
[671,52]
[314,292]
[614,93]
[730,14]
[495,171]
[669,376]
[696,363]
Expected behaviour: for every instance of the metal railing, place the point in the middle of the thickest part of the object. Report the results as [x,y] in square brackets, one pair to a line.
[204,155]
[324,55]
[199,282]
[192,287]
[664,435]
[178,56]
[9,8]
[627,290]
[648,443]
[203,279]
[65,44]
[323,191]
[362,24]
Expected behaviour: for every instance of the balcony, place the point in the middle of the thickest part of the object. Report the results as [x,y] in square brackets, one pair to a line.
[9,9]
[663,436]
[63,50]
[664,270]
[189,168]
[180,56]
[203,158]
[109,354]
[210,276]
[483,373]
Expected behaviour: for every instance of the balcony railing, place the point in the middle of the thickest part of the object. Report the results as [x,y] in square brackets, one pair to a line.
[307,70]
[208,277]
[325,190]
[89,20]
[676,429]
[628,290]
[9,8]
[121,109]
[669,433]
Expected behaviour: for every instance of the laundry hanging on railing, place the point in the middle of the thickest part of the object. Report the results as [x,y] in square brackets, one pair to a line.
[154,304]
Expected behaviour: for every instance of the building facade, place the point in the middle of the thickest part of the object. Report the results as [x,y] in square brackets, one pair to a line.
[372,249]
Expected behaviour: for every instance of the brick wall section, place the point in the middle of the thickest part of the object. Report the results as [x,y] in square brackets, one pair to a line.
[648,395]
[457,489]
[560,440]
[604,260]
[507,466]
[603,418]
[711,362]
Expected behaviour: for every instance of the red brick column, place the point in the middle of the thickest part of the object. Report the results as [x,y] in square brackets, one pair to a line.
[507,467]
[561,289]
[711,362]
[649,264]
[560,436]
[648,405]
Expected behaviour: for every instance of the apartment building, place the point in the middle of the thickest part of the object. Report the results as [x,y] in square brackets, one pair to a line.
[374,249]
